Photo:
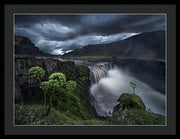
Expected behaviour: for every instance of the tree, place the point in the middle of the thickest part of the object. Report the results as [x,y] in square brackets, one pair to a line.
[133,85]
[36,73]
[54,86]
[55,83]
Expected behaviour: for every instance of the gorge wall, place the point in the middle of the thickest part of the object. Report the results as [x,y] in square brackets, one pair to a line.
[25,87]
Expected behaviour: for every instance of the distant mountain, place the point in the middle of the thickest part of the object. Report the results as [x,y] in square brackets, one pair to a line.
[24,46]
[147,45]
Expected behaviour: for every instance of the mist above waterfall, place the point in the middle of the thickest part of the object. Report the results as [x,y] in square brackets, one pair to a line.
[109,88]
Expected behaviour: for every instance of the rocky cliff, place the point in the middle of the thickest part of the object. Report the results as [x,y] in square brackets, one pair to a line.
[25,87]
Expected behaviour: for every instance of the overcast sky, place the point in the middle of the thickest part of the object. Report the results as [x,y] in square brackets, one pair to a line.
[58,34]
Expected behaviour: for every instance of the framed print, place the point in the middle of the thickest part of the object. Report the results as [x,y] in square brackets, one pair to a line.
[90,69]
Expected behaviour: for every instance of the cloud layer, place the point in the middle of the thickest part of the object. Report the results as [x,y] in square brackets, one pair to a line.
[58,34]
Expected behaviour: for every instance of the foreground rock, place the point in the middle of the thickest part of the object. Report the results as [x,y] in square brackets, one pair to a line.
[132,111]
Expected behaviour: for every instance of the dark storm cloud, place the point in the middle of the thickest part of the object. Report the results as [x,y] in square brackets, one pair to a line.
[29,20]
[66,32]
[128,23]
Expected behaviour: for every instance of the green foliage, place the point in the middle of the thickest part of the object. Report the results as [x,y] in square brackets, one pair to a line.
[71,103]
[79,74]
[59,77]
[133,85]
[36,73]
[55,83]
[45,86]
[71,85]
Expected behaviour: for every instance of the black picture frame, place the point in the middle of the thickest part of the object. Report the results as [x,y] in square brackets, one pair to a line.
[168,9]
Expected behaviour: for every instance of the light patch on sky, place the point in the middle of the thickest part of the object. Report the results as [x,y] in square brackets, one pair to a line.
[57,52]
[60,52]
[68,51]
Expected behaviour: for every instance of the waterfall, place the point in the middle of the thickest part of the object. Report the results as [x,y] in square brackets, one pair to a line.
[98,71]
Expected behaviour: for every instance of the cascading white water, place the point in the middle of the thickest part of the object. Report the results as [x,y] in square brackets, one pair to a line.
[109,84]
[98,71]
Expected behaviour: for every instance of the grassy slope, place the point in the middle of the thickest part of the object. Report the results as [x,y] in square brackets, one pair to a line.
[33,115]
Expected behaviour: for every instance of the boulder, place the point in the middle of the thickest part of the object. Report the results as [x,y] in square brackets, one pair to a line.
[128,101]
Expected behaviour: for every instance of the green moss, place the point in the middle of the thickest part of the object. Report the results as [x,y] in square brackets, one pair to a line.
[131,101]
